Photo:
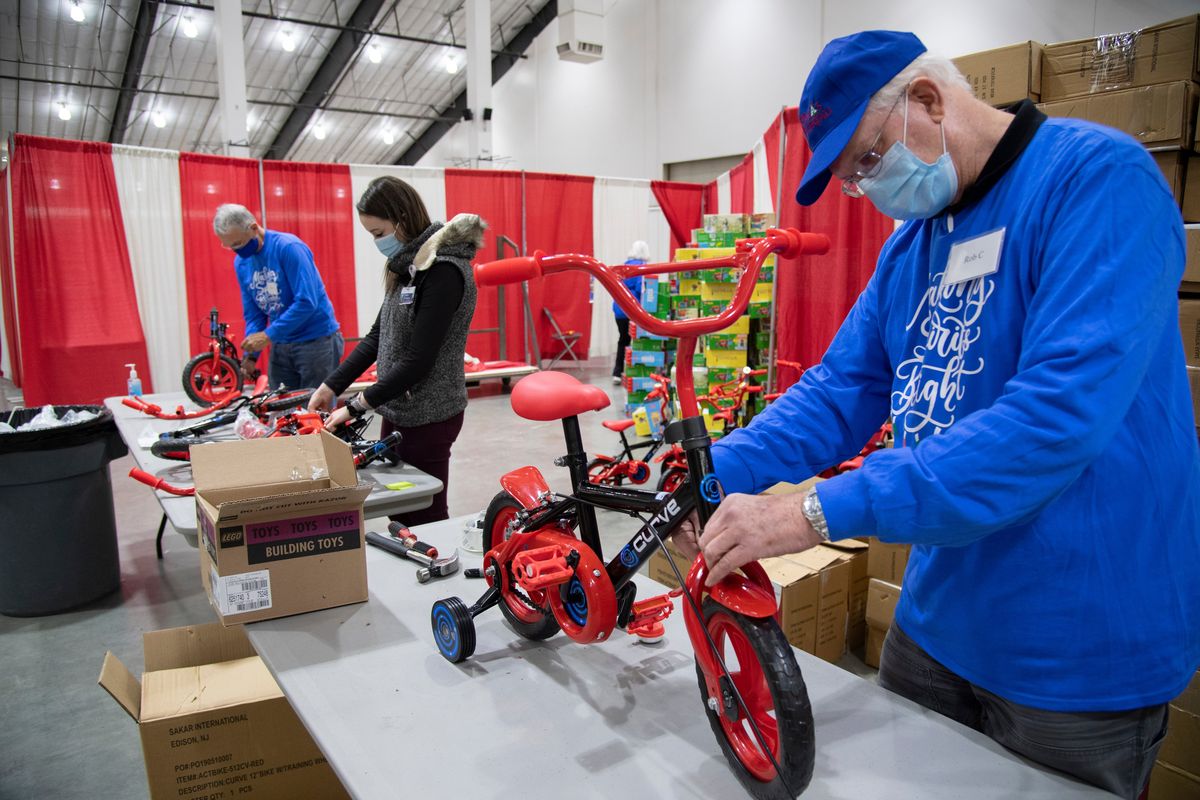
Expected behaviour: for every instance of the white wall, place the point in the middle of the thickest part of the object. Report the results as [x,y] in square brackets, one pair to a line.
[690,79]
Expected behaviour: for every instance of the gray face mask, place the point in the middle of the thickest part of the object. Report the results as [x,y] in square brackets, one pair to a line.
[905,187]
[389,245]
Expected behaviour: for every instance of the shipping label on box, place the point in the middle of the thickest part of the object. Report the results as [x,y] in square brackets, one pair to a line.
[1157,116]
[213,722]
[1157,54]
[281,526]
[1189,327]
[887,561]
[1005,75]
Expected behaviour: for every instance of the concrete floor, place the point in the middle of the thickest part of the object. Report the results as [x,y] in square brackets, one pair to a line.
[63,737]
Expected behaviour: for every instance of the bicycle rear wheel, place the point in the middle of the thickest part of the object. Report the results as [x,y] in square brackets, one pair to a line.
[173,449]
[528,614]
[207,381]
[763,668]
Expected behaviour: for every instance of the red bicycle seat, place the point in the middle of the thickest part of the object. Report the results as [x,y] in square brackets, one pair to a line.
[544,396]
[618,425]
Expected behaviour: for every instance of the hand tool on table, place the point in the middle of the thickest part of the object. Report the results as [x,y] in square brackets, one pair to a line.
[404,543]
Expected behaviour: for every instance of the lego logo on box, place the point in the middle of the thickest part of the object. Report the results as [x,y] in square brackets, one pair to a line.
[282,526]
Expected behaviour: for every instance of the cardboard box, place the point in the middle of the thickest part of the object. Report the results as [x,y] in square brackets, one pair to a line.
[855,553]
[1191,269]
[882,598]
[720,223]
[1181,748]
[1005,75]
[659,569]
[1194,385]
[833,575]
[1169,783]
[1157,54]
[1190,203]
[1157,116]
[734,359]
[717,291]
[1189,327]
[887,561]
[281,526]
[1173,165]
[798,593]
[1189,700]
[212,718]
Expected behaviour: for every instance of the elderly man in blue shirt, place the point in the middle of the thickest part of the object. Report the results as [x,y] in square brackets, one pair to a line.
[1020,330]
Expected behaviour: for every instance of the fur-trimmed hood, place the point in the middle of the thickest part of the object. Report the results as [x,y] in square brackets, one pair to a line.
[462,229]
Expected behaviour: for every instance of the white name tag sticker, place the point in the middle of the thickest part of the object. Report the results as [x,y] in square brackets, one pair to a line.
[407,294]
[974,257]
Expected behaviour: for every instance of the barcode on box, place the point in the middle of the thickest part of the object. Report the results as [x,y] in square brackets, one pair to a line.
[239,594]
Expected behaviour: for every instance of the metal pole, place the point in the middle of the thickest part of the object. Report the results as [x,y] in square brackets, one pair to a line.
[775,272]
[231,76]
[530,328]
[262,193]
[13,347]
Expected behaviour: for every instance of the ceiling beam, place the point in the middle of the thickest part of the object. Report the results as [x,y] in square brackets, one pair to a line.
[501,64]
[336,60]
[139,44]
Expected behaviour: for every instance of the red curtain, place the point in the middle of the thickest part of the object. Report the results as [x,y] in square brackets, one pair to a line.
[816,292]
[741,186]
[206,182]
[710,200]
[494,195]
[313,202]
[10,304]
[558,213]
[74,285]
[680,204]
[771,148]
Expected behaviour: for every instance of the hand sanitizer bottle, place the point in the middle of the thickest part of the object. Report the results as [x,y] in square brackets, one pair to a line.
[134,385]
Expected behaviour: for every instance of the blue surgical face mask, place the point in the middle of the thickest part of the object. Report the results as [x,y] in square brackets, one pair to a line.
[389,245]
[905,187]
[249,248]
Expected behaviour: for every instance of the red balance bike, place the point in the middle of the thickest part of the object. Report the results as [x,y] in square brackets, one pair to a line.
[546,572]
[614,470]
[211,376]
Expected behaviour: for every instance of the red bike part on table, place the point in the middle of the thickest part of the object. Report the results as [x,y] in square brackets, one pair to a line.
[546,396]
[648,614]
[526,485]
[158,483]
[788,243]
[618,425]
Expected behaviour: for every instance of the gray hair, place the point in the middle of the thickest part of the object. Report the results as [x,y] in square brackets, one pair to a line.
[640,249]
[232,217]
[927,65]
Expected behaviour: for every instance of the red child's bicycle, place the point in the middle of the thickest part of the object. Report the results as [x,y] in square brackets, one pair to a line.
[545,569]
[211,376]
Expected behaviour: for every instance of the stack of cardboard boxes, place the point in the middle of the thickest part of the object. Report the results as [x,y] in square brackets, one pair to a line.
[885,571]
[1177,773]
[1141,82]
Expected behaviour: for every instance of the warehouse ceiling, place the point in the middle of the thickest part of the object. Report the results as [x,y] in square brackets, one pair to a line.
[361,82]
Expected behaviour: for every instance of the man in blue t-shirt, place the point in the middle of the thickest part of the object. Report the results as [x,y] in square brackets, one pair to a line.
[1020,330]
[283,300]
[639,253]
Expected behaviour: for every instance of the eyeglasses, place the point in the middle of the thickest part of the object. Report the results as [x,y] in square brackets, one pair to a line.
[868,164]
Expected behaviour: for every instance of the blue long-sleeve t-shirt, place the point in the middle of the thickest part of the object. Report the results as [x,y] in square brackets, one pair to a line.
[633,284]
[1046,468]
[282,292]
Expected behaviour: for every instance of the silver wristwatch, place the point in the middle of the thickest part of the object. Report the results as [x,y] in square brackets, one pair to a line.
[811,508]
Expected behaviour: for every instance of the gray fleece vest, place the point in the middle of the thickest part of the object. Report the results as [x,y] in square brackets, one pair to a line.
[443,392]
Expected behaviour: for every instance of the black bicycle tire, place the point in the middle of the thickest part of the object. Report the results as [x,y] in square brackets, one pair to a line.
[668,473]
[793,711]
[162,448]
[535,631]
[190,390]
[292,399]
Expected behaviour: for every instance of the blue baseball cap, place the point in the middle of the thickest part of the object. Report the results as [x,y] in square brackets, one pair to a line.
[849,71]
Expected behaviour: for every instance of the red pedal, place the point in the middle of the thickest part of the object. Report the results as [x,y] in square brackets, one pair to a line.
[646,619]
[541,567]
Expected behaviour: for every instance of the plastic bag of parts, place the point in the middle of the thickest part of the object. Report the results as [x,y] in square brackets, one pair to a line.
[248,426]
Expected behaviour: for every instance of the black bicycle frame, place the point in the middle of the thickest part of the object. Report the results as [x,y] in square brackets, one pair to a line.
[700,492]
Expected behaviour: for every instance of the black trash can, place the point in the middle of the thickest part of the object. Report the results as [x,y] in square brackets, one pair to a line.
[58,530]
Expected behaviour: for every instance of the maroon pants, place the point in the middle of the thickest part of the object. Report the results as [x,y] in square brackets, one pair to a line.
[427,447]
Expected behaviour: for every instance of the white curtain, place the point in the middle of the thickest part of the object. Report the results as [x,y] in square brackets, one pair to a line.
[620,217]
[430,183]
[764,201]
[724,195]
[148,187]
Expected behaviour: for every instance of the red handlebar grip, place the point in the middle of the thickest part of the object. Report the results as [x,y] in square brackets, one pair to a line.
[803,243]
[508,270]
[131,403]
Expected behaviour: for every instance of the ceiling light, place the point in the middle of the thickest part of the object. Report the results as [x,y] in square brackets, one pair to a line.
[374,54]
[451,64]
[189,27]
[389,138]
[64,113]
[319,132]
[287,41]
[77,11]
[159,119]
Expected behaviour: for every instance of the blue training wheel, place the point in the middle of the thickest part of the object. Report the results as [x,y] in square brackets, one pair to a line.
[453,629]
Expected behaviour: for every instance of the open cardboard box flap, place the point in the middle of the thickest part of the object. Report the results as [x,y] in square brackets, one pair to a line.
[301,462]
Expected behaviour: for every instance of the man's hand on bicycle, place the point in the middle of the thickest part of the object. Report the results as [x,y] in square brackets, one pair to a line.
[749,527]
[323,399]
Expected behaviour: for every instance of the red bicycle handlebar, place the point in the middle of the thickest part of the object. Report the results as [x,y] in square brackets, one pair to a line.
[509,270]
[158,483]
